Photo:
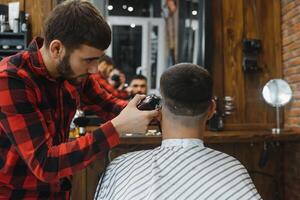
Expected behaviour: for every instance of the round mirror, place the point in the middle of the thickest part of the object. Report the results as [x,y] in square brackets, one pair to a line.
[277,92]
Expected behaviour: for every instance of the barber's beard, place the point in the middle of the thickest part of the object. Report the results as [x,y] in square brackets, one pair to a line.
[64,68]
[65,71]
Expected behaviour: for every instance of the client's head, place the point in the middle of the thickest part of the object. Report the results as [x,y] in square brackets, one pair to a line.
[186,91]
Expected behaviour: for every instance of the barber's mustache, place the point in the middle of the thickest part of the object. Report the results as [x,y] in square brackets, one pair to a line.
[74,79]
[81,76]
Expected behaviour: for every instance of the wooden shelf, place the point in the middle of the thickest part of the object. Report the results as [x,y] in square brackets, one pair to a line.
[221,137]
[218,137]
[12,40]
[249,136]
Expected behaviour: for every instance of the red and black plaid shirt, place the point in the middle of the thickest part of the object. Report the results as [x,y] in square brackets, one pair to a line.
[36,159]
[121,94]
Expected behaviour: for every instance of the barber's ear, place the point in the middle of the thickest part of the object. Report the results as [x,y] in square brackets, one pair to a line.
[56,49]
[212,109]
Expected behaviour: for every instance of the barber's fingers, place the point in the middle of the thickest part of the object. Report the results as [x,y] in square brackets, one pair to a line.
[136,99]
[151,114]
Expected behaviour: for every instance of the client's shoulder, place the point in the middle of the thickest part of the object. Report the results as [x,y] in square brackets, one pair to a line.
[221,157]
[135,156]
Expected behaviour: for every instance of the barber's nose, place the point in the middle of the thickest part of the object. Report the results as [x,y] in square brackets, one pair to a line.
[93,69]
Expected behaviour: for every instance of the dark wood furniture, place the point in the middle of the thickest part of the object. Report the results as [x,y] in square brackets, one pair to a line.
[246,146]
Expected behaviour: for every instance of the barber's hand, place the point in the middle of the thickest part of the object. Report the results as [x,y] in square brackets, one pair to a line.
[132,120]
[129,90]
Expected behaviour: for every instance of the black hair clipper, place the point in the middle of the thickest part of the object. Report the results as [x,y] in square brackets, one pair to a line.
[151,102]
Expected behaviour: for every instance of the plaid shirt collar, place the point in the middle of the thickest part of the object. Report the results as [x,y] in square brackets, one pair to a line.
[37,64]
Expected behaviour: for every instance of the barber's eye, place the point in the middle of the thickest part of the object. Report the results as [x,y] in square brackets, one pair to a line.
[89,60]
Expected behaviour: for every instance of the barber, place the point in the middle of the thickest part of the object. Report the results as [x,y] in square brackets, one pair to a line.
[40,90]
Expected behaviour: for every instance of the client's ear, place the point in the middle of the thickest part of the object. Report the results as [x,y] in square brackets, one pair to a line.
[212,109]
[159,116]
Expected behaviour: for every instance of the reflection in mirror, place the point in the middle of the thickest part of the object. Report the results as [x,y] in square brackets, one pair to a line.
[195,32]
[127,48]
[138,38]
[277,93]
[137,8]
[150,35]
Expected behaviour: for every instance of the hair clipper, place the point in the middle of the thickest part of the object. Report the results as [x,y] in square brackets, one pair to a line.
[151,102]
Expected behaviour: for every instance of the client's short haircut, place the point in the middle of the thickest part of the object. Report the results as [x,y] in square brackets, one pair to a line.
[186,89]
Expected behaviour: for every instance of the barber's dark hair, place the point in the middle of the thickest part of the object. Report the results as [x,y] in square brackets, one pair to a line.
[75,23]
[186,89]
[107,59]
[139,76]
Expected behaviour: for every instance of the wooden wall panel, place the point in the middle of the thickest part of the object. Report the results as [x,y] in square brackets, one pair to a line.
[79,182]
[94,173]
[38,10]
[271,55]
[217,69]
[233,76]
[246,19]
[254,82]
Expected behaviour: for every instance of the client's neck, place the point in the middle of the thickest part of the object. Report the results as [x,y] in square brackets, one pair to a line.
[175,129]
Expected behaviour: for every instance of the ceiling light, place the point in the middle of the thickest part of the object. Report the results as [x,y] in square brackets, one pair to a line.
[110,7]
[130,9]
